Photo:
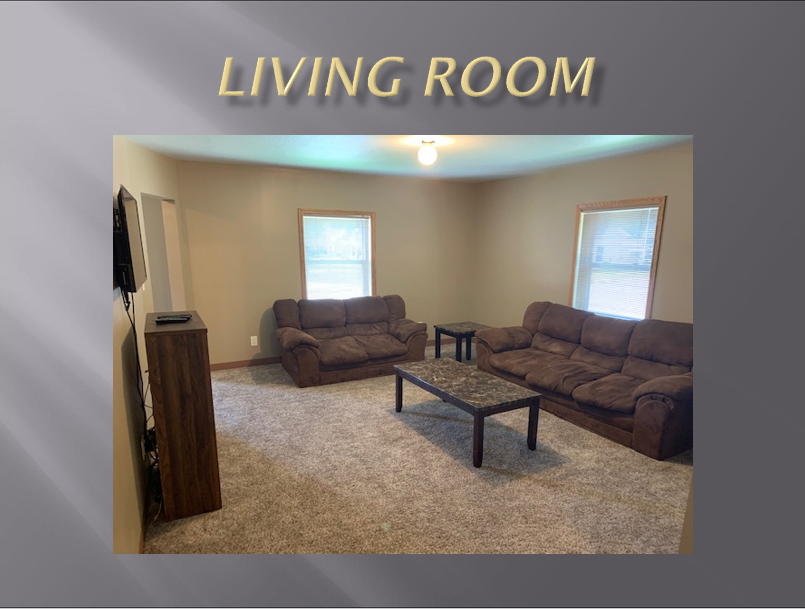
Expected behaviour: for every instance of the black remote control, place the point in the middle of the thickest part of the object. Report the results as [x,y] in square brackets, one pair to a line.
[173,319]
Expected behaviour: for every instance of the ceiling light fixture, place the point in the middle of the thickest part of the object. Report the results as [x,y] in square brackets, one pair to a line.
[427,153]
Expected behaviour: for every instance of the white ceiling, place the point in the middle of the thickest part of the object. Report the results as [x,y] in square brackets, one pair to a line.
[461,157]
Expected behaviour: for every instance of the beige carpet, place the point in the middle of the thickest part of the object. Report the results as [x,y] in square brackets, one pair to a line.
[336,470]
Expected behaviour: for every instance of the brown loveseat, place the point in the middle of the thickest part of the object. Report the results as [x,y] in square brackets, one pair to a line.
[629,381]
[330,341]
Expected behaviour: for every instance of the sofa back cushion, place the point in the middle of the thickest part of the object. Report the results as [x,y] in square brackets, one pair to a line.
[287,313]
[396,307]
[604,342]
[366,310]
[327,333]
[559,328]
[659,348]
[533,314]
[563,322]
[326,313]
[669,342]
[607,335]
[549,344]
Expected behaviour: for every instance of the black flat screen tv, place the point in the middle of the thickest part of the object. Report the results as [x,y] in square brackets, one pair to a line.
[129,259]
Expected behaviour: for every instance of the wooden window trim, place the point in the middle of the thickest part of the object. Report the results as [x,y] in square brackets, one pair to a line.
[338,213]
[624,204]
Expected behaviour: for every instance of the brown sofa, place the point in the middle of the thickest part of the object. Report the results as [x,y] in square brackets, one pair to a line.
[629,381]
[331,341]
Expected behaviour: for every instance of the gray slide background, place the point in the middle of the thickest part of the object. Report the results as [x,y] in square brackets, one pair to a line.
[75,74]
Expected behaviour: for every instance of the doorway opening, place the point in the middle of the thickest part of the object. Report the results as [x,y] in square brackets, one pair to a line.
[164,253]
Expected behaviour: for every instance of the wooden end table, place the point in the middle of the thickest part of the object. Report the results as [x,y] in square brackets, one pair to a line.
[464,330]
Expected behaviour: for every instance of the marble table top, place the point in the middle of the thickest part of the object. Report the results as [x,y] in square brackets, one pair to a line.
[474,387]
[464,327]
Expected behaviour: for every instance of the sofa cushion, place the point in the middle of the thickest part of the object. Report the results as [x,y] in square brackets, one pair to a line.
[646,369]
[396,306]
[366,310]
[403,329]
[320,333]
[679,388]
[367,329]
[521,361]
[668,342]
[607,335]
[563,322]
[533,314]
[326,313]
[557,346]
[613,392]
[610,362]
[341,351]
[380,346]
[286,312]
[564,375]
[504,339]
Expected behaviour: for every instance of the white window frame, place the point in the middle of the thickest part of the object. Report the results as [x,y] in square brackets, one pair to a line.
[339,214]
[658,202]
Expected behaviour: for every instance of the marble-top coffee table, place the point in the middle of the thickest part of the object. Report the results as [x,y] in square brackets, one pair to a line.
[474,391]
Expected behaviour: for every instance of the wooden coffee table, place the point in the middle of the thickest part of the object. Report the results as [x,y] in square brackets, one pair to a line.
[474,391]
[463,330]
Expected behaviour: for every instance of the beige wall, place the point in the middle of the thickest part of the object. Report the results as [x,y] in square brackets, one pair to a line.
[453,251]
[526,225]
[242,245]
[140,171]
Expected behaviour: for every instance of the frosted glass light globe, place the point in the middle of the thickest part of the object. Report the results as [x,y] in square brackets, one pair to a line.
[427,154]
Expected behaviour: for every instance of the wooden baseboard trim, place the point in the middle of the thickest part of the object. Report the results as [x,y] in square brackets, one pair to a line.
[262,361]
[445,340]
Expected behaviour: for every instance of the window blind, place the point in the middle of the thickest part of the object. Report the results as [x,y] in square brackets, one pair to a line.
[613,261]
[338,260]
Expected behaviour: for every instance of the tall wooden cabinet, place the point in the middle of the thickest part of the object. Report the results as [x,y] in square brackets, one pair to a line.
[181,390]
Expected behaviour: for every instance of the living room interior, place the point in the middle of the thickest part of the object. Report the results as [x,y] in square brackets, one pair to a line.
[488,229]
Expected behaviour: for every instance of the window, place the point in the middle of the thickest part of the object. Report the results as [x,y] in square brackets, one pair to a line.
[615,257]
[338,253]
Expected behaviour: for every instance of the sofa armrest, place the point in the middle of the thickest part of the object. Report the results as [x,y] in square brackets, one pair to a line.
[303,365]
[504,339]
[403,329]
[663,419]
[678,387]
[291,338]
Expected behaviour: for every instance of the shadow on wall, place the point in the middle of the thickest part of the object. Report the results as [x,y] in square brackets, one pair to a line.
[270,344]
